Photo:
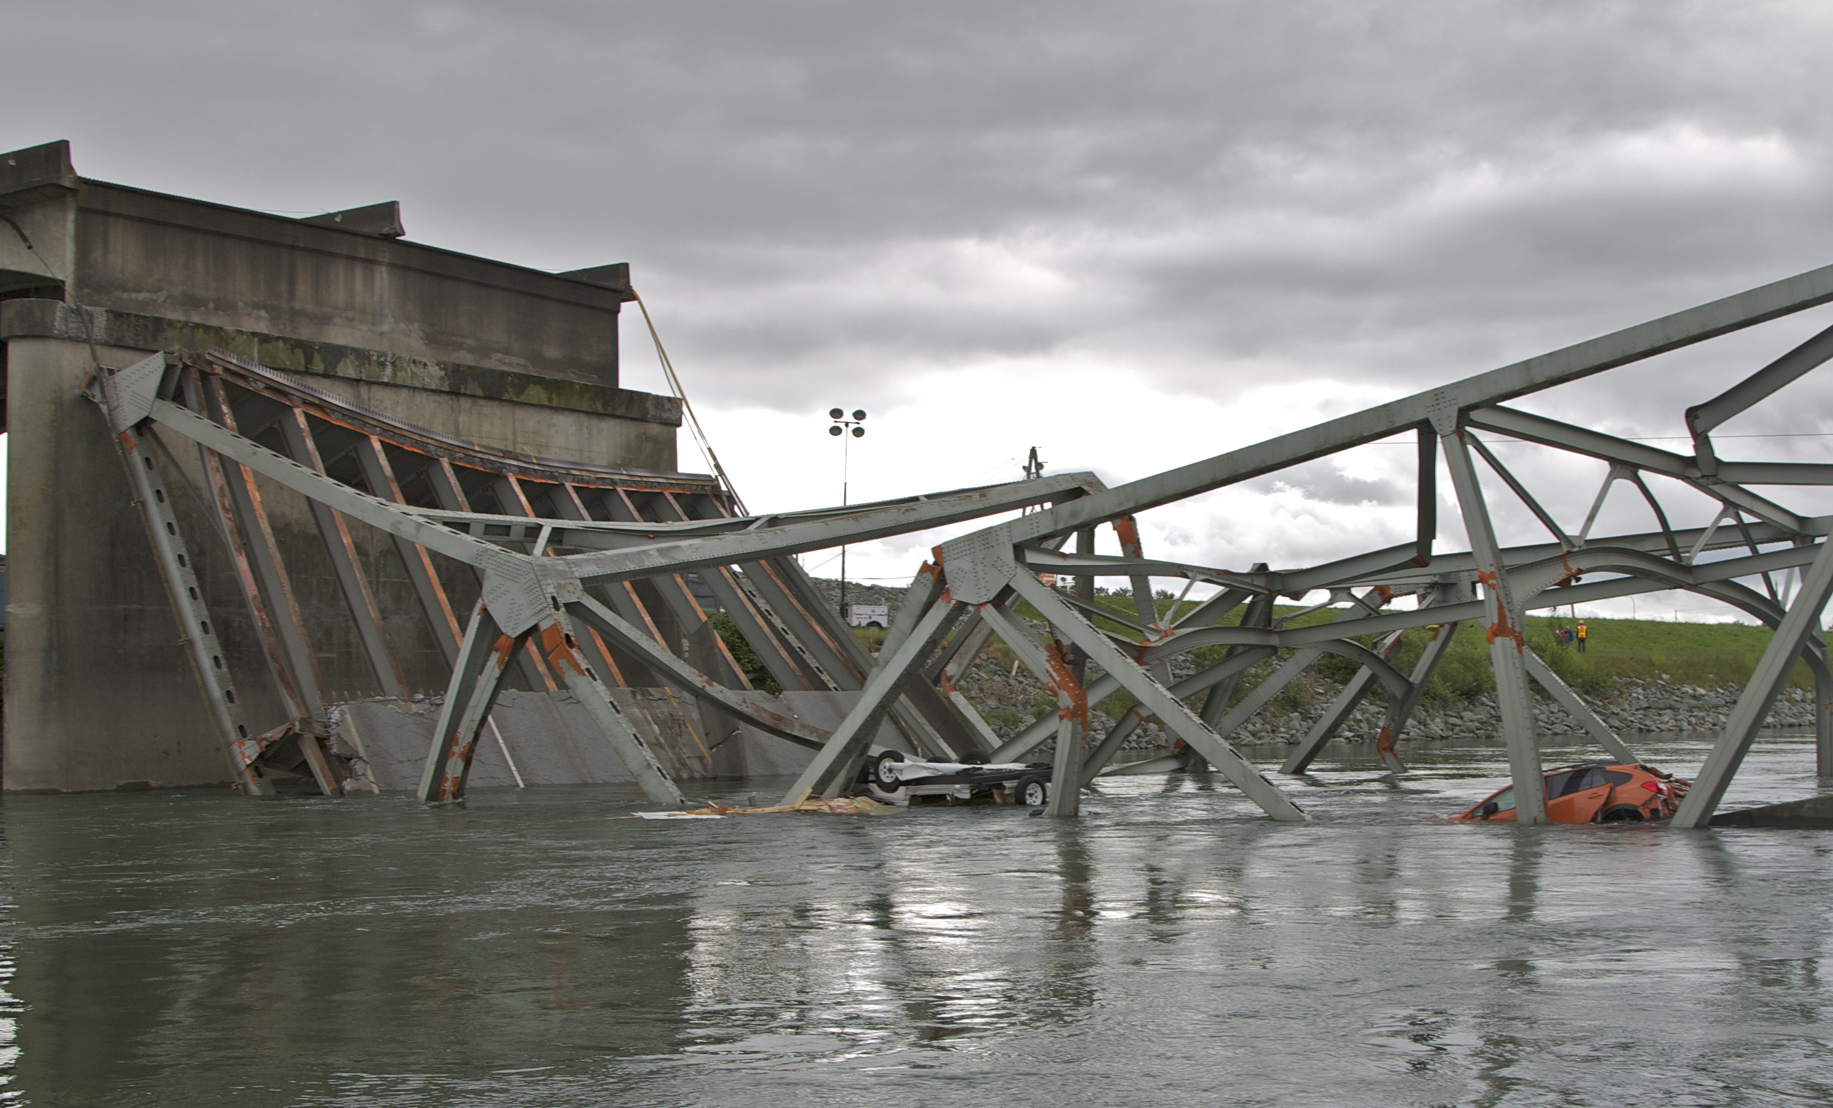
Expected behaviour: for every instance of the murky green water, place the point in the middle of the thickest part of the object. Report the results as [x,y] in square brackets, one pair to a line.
[1171,947]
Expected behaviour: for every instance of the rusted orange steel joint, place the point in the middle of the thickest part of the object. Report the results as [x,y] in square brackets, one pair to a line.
[1063,679]
[561,649]
[1126,529]
[1501,628]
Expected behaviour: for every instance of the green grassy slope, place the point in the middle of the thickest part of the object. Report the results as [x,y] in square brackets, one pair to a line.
[1705,654]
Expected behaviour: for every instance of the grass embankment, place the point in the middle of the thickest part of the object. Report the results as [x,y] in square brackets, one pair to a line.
[1710,655]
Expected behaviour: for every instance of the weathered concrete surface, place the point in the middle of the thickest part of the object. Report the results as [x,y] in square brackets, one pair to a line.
[131,250]
[99,693]
[324,362]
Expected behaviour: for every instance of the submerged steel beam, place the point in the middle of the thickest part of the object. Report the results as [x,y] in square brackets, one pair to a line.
[843,749]
[1802,620]
[1179,719]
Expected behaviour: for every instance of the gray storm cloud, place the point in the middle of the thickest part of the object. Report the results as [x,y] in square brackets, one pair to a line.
[1201,198]
[1395,191]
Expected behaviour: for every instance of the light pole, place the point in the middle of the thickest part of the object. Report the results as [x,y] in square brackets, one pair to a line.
[842,425]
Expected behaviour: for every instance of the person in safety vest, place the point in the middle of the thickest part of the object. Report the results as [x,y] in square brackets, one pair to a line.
[1581,638]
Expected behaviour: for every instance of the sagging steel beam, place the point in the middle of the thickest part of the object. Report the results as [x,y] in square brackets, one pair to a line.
[507,549]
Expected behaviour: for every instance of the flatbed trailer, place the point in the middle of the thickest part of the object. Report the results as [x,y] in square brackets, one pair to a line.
[895,778]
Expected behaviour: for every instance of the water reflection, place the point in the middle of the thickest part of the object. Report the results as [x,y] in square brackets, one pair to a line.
[531,949]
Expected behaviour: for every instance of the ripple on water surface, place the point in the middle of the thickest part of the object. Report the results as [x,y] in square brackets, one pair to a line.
[532,949]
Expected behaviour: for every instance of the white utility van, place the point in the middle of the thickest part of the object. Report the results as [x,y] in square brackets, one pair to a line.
[868,615]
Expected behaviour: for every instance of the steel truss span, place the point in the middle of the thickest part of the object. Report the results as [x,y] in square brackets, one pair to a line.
[555,568]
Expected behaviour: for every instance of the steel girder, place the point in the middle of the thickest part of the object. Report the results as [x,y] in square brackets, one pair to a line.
[580,572]
[580,575]
[989,567]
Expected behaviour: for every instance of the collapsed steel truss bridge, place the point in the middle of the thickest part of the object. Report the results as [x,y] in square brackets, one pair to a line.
[568,561]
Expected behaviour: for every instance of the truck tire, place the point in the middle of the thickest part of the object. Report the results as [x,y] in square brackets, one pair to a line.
[1033,791]
[883,773]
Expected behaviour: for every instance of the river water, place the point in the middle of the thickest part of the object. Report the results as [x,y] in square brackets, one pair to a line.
[1170,947]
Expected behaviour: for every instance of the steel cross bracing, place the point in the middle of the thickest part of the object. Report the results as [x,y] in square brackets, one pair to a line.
[578,570]
[579,577]
[1752,538]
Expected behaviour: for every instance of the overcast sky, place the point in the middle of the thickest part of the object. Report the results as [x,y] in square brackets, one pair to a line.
[1131,234]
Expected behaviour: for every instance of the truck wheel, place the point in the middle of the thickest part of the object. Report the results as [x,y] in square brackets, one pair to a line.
[1033,791]
[884,771]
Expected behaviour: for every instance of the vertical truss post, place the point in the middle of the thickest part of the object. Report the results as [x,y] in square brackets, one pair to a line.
[895,666]
[1427,494]
[1085,591]
[1072,724]
[477,677]
[1506,645]
[1126,529]
[1802,620]
[511,500]
[358,597]
[450,494]
[1054,666]
[1259,614]
[1823,723]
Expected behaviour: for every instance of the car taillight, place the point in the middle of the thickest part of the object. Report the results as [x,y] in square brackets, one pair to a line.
[1653,787]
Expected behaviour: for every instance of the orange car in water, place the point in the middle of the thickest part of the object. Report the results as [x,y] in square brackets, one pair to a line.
[1593,792]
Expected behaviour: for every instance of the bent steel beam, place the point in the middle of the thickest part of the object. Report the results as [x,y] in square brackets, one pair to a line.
[563,537]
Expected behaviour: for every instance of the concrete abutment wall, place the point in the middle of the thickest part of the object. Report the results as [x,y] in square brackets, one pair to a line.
[99,692]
